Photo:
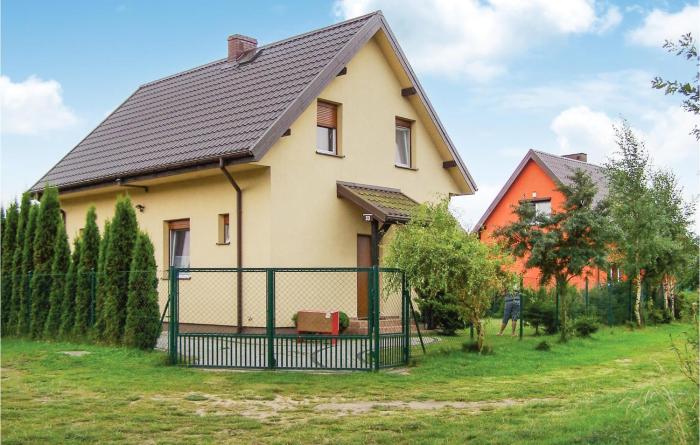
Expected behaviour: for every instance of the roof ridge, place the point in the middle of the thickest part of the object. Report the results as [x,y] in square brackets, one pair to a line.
[568,159]
[268,45]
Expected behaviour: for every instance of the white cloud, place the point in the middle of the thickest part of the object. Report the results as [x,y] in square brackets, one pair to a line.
[469,208]
[579,129]
[665,133]
[476,39]
[659,26]
[32,106]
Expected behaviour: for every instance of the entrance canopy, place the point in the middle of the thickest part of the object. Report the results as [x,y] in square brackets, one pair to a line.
[387,205]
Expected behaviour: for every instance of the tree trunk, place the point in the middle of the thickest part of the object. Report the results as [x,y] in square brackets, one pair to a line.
[638,300]
[479,333]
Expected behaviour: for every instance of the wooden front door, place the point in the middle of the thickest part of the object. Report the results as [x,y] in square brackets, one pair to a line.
[364,259]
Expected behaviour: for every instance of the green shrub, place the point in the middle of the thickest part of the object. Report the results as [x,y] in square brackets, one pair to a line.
[25,290]
[142,327]
[124,229]
[16,269]
[344,321]
[99,326]
[585,326]
[47,223]
[59,269]
[85,274]
[442,312]
[539,310]
[9,245]
[542,346]
[68,305]
[686,305]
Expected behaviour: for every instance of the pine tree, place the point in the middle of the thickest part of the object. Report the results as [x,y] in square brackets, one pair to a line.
[47,221]
[9,244]
[25,290]
[86,274]
[117,263]
[59,270]
[68,305]
[142,327]
[17,277]
[99,326]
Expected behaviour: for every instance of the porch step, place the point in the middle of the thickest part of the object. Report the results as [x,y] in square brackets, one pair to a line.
[387,325]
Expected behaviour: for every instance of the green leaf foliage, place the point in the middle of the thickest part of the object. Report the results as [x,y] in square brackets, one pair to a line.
[117,263]
[59,270]
[48,220]
[86,275]
[440,258]
[99,326]
[9,245]
[25,290]
[562,244]
[68,305]
[16,268]
[142,327]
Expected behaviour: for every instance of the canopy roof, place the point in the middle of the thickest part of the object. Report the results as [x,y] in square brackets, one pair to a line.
[387,205]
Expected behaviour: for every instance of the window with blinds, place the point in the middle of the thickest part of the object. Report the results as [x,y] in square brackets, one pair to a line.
[326,128]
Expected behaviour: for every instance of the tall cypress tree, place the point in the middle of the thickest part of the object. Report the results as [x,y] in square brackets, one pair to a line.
[9,244]
[86,274]
[99,326]
[44,241]
[68,305]
[142,327]
[25,290]
[117,263]
[17,281]
[59,270]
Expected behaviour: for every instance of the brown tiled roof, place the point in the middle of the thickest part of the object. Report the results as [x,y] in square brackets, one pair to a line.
[559,168]
[222,110]
[386,204]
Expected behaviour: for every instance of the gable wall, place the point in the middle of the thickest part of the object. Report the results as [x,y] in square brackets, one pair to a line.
[316,227]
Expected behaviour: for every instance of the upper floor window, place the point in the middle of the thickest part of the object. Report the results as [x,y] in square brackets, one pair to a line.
[179,243]
[543,207]
[403,143]
[327,128]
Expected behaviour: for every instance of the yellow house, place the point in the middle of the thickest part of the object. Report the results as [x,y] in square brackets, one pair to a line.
[299,153]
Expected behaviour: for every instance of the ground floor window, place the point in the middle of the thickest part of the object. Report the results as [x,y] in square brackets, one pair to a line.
[180,243]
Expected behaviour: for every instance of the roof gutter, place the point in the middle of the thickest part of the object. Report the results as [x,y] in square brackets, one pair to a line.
[239,244]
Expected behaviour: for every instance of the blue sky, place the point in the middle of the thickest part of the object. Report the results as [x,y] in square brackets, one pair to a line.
[504,75]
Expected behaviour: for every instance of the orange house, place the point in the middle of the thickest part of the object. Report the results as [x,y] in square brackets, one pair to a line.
[536,179]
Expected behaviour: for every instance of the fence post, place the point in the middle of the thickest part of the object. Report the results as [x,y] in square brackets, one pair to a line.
[522,303]
[556,310]
[607,288]
[629,301]
[270,318]
[586,294]
[93,289]
[406,318]
[172,322]
[374,295]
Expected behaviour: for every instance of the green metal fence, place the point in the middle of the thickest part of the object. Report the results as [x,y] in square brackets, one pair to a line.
[245,318]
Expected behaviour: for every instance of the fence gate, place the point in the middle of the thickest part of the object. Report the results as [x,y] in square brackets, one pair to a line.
[246,318]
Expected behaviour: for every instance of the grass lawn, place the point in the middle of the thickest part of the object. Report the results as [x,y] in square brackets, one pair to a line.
[617,387]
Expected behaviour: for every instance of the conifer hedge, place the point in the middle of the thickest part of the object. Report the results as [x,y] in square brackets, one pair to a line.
[60,264]
[68,304]
[44,241]
[142,327]
[16,270]
[25,290]
[86,274]
[117,263]
[9,244]
[99,326]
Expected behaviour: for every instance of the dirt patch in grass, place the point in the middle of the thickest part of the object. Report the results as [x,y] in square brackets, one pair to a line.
[361,407]
[75,353]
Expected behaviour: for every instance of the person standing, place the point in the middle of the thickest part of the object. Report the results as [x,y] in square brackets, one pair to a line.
[511,310]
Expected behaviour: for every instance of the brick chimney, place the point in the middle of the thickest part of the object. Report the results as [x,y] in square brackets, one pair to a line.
[583,157]
[238,45]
